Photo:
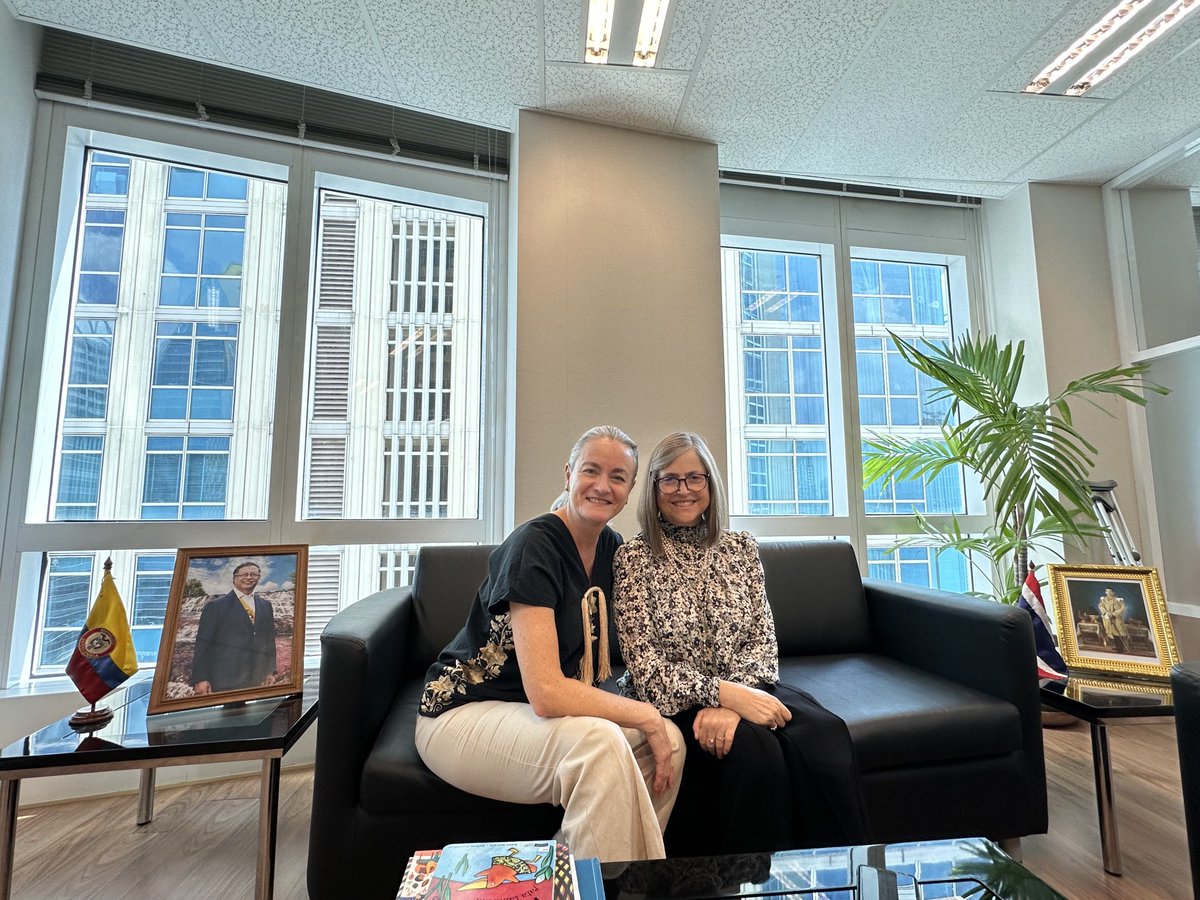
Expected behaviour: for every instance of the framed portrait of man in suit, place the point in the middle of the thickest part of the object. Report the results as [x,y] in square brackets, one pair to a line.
[234,627]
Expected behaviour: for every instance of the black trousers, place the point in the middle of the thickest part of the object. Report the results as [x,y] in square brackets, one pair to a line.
[797,786]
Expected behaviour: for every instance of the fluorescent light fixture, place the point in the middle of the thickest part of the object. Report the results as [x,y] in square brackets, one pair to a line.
[1108,32]
[599,30]
[1159,26]
[1083,46]
[654,19]
[625,32]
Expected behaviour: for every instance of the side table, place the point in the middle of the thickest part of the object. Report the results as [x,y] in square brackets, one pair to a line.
[262,729]
[1104,702]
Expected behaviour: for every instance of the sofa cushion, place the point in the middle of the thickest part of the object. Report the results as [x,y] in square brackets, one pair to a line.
[901,716]
[816,596]
[395,779]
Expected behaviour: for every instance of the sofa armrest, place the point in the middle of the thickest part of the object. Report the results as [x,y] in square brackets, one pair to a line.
[363,650]
[984,645]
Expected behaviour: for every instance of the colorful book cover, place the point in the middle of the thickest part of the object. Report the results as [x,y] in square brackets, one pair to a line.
[418,875]
[516,870]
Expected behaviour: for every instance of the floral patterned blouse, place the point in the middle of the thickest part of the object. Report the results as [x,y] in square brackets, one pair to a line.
[692,618]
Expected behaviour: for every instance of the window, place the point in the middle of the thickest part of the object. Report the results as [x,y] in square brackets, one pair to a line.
[812,372]
[164,397]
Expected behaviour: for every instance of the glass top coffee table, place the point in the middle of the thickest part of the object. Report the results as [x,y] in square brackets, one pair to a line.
[261,729]
[924,870]
[1102,702]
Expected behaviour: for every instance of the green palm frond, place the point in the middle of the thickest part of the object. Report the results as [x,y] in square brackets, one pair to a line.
[1031,460]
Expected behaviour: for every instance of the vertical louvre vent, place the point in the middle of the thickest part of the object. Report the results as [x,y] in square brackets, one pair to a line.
[327,477]
[335,286]
[331,385]
[76,67]
[324,590]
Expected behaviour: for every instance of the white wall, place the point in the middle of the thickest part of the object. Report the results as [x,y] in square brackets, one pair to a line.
[618,300]
[1163,238]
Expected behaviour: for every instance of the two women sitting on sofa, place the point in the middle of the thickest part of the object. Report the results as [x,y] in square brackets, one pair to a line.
[511,709]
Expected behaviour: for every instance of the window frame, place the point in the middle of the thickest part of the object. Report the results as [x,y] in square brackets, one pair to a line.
[42,310]
[842,229]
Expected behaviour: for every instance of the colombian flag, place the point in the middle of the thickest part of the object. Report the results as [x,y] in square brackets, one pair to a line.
[104,654]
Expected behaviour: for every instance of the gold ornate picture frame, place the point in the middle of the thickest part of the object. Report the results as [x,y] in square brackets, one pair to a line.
[234,628]
[1113,619]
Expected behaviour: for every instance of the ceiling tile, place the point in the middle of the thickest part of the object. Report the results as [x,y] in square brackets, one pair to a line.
[326,43]
[772,68]
[1158,111]
[689,27]
[998,133]
[153,24]
[1183,173]
[923,68]
[565,21]
[623,96]
[476,61]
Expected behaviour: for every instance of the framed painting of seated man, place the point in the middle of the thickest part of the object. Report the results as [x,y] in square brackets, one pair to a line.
[234,627]
[1113,619]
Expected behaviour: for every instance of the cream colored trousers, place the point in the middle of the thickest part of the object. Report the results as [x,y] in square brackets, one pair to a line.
[597,771]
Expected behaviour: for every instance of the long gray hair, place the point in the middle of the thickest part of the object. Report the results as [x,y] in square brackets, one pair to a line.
[669,449]
[611,432]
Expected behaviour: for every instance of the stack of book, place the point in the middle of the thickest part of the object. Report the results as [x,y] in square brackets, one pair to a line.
[513,870]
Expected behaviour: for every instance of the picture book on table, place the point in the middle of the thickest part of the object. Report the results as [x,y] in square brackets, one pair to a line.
[516,870]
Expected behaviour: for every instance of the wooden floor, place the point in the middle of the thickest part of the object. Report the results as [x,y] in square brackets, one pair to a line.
[201,844]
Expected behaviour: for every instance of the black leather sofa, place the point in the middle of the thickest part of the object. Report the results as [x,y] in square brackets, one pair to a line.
[938,691]
[1185,687]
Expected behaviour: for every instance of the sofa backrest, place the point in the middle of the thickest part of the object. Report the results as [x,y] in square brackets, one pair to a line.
[816,596]
[445,582]
[814,589]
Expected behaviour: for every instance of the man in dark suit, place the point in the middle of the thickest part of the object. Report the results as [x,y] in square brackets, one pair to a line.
[235,643]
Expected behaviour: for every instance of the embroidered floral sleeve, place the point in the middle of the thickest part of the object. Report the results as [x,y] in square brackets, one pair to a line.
[756,661]
[652,636]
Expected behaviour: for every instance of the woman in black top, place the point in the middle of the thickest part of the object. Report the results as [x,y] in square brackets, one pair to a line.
[511,710]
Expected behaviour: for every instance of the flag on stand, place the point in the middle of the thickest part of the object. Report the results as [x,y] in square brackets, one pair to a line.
[1049,663]
[104,655]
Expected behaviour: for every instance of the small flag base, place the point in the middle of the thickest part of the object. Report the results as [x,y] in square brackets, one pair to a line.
[90,719]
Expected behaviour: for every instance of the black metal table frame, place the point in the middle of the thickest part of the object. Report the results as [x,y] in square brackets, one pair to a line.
[1098,722]
[148,762]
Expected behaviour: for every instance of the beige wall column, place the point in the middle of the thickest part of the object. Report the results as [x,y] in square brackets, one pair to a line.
[1050,286]
[617,303]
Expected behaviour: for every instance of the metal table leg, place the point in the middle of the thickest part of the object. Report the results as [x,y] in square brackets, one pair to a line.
[268,823]
[10,792]
[145,814]
[1106,803]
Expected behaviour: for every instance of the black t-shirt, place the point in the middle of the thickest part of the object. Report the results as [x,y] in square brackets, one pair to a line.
[538,565]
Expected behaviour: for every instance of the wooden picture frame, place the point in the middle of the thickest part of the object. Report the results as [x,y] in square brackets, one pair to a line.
[213,650]
[1113,619]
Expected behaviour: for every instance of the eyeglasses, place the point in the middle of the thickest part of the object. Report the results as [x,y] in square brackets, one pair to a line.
[671,484]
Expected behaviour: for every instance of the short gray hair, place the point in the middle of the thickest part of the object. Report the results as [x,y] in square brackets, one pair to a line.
[610,432]
[669,449]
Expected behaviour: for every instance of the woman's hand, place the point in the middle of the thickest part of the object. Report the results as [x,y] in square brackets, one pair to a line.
[714,727]
[659,741]
[754,705]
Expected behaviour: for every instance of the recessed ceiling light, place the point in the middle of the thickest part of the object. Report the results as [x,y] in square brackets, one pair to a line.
[625,32]
[599,30]
[1129,27]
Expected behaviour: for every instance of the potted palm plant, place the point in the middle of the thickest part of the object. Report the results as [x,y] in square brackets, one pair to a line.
[1032,462]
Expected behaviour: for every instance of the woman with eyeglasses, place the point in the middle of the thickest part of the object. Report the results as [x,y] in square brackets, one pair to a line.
[511,709]
[698,638]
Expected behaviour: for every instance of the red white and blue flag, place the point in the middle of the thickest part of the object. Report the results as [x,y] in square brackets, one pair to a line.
[1049,663]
